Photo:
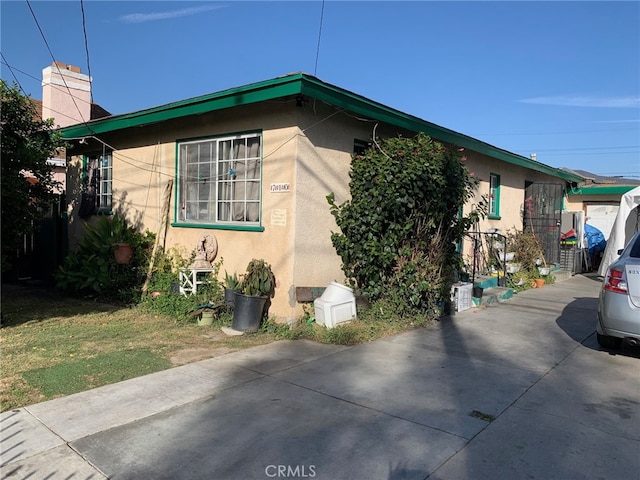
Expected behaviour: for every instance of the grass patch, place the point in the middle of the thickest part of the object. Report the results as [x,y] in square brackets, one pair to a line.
[379,320]
[54,345]
[82,374]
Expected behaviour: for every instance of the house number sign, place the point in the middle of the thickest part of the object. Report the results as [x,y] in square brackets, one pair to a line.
[280,188]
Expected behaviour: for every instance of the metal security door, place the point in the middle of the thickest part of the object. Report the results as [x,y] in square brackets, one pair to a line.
[543,215]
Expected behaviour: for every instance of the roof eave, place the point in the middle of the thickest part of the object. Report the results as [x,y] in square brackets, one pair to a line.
[300,83]
[602,190]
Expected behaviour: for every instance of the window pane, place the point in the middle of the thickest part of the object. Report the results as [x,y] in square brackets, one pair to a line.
[220,180]
[224,150]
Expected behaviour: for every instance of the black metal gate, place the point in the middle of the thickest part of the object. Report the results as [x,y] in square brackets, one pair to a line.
[542,216]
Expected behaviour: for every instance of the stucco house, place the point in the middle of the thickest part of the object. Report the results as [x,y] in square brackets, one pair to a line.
[252,166]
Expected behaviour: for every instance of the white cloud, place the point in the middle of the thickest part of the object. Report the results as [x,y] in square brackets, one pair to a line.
[152,17]
[577,101]
[633,120]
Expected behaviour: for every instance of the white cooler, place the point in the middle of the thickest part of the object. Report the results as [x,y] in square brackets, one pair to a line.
[336,305]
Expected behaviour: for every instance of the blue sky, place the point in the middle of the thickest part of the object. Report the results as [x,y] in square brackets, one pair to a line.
[561,79]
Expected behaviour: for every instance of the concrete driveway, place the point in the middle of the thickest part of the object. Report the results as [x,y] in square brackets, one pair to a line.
[517,390]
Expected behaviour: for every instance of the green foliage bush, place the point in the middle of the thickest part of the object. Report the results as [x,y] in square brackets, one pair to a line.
[164,295]
[26,144]
[91,268]
[400,227]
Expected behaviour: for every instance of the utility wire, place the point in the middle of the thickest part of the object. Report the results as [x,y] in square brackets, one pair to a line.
[315,70]
[55,87]
[568,132]
[4,61]
[86,48]
[588,153]
[11,69]
[579,148]
[54,60]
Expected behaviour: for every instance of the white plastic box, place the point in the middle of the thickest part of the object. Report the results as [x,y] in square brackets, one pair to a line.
[462,296]
[336,292]
[336,305]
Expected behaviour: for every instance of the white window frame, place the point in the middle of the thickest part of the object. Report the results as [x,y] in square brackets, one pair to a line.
[98,183]
[220,181]
[104,193]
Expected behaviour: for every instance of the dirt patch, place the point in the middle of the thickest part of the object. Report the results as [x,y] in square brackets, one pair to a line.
[190,355]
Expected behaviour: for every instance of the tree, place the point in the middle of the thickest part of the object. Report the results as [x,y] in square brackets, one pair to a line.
[28,187]
[400,228]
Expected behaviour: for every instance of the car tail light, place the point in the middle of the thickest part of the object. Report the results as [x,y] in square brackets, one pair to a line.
[615,281]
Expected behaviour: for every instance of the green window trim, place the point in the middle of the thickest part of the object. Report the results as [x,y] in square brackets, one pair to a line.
[494,196]
[214,181]
[239,228]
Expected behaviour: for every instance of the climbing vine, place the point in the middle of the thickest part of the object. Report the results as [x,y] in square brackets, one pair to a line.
[398,232]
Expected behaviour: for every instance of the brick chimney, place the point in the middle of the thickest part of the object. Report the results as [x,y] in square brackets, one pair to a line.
[66,94]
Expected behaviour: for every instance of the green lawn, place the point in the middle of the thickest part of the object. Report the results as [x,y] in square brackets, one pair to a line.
[54,345]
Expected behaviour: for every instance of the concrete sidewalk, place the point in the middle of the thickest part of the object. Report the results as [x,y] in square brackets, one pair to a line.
[517,390]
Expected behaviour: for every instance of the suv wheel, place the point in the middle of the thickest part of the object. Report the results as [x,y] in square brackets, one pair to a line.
[605,341]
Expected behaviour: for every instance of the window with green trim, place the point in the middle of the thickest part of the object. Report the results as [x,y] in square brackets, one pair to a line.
[494,195]
[219,180]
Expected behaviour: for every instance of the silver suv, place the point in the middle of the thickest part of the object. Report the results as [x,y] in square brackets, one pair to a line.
[619,306]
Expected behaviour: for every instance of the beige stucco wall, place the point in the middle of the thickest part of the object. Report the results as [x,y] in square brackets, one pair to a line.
[310,149]
[512,184]
[141,173]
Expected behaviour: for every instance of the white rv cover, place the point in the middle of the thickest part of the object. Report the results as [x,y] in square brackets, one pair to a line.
[624,226]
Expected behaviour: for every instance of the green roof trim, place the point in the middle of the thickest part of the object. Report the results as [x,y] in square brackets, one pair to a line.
[602,190]
[303,84]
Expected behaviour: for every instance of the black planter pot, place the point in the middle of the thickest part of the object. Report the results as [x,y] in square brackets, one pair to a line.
[247,312]
[477,292]
[229,297]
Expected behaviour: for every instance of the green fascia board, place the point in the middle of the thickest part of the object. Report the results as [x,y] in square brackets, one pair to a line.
[234,97]
[362,106]
[602,190]
[303,84]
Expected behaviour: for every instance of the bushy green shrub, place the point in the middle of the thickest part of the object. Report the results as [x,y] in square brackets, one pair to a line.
[400,227]
[92,270]
[163,294]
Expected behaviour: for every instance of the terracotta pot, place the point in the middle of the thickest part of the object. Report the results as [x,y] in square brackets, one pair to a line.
[539,282]
[123,252]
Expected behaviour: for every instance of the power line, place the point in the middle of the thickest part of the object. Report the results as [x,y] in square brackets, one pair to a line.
[11,69]
[578,148]
[55,87]
[569,132]
[602,154]
[86,48]
[54,60]
[4,60]
[315,70]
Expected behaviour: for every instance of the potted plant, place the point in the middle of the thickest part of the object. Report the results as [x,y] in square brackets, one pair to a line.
[206,317]
[257,286]
[121,235]
[231,287]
